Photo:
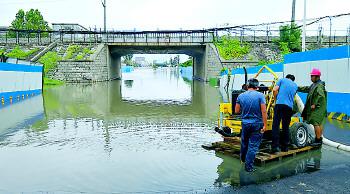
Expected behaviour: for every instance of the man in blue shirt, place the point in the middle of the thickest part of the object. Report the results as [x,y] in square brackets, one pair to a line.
[252,105]
[284,93]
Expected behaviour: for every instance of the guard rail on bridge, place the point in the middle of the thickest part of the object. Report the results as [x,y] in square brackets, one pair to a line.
[8,36]
[43,38]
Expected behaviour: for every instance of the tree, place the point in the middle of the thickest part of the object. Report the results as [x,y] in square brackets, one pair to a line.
[290,36]
[127,59]
[30,20]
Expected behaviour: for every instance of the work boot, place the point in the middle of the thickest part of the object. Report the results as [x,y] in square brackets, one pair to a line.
[250,169]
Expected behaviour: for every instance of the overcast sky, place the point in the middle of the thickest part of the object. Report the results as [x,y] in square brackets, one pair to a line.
[169,14]
[172,14]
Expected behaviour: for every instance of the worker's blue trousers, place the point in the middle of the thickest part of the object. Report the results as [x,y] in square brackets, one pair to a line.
[250,142]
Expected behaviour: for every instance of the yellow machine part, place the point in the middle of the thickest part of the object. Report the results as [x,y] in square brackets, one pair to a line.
[236,125]
[226,112]
[226,108]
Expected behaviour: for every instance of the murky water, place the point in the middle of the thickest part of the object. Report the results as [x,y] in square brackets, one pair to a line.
[141,134]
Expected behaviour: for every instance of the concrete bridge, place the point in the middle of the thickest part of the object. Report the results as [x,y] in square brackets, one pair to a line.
[105,64]
[205,59]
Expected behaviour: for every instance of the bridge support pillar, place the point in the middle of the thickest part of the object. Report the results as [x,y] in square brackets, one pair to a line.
[114,65]
[199,67]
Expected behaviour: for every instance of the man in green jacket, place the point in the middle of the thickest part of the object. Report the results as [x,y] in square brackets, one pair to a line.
[315,110]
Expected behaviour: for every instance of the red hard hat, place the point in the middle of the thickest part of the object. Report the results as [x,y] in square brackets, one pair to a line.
[316,72]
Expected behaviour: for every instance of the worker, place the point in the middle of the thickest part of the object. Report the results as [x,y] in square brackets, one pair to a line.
[284,93]
[315,110]
[252,106]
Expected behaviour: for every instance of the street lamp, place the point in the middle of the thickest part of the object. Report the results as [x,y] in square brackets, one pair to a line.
[293,11]
[304,29]
[104,13]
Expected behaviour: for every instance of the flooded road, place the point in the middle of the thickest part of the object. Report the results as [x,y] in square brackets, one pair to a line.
[140,134]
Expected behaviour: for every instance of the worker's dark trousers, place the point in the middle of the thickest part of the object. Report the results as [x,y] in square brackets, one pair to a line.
[250,143]
[282,113]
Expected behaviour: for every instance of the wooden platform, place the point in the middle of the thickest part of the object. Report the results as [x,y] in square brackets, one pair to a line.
[231,146]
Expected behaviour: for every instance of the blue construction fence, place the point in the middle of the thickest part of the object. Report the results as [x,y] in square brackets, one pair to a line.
[127,69]
[334,64]
[18,82]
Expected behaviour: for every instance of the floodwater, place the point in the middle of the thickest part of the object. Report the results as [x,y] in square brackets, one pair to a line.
[140,134]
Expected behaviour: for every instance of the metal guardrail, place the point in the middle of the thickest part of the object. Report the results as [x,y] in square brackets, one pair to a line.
[47,37]
[8,36]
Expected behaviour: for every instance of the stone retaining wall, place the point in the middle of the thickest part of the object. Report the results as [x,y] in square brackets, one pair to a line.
[95,70]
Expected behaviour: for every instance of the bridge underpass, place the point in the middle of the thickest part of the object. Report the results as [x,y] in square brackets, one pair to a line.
[198,51]
[104,100]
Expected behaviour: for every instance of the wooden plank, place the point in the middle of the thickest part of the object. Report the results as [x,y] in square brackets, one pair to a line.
[231,146]
[232,139]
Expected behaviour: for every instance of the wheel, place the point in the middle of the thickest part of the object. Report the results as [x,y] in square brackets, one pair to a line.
[299,134]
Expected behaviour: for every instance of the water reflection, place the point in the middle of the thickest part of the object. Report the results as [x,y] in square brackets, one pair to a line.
[106,137]
[21,115]
[161,85]
[108,100]
[232,172]
[119,137]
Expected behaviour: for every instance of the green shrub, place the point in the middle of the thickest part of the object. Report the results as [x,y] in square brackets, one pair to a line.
[283,46]
[231,48]
[290,36]
[71,51]
[88,51]
[18,53]
[187,63]
[80,57]
[51,82]
[49,60]
[2,51]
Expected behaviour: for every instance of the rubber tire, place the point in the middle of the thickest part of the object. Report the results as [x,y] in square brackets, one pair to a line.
[299,129]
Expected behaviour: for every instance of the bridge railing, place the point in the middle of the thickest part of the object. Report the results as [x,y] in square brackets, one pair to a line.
[42,38]
[8,36]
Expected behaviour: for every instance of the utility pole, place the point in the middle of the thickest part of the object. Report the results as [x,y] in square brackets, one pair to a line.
[303,45]
[293,11]
[104,13]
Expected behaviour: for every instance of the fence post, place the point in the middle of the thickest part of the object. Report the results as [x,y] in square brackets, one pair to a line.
[17,37]
[28,34]
[348,36]
[50,34]
[319,40]
[267,34]
[203,35]
[330,31]
[254,36]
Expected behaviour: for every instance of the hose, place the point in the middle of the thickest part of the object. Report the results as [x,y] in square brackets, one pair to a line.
[325,141]
[339,146]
